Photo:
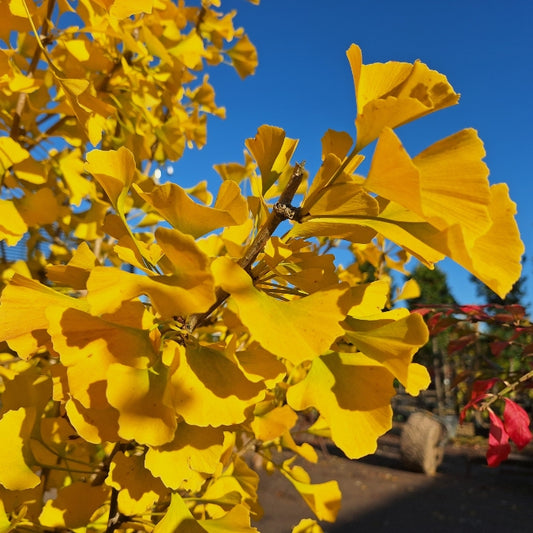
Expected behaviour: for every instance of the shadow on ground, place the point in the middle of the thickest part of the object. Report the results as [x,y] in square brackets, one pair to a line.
[380,496]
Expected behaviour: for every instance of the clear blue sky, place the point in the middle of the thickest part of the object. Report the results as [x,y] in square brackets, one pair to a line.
[304,85]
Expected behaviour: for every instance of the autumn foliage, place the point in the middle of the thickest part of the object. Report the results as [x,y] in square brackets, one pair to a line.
[153,337]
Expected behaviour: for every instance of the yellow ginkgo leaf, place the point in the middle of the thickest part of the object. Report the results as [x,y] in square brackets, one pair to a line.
[139,396]
[172,295]
[12,225]
[304,450]
[11,153]
[392,94]
[22,298]
[71,165]
[190,50]
[186,261]
[237,479]
[185,215]
[391,338]
[77,335]
[138,489]
[178,518]
[208,389]
[114,170]
[324,499]
[352,393]
[272,151]
[297,330]
[91,424]
[307,525]
[194,454]
[75,506]
[39,208]
[15,430]
[243,57]
[410,289]
[260,365]
[337,143]
[418,379]
[76,272]
[271,423]
[495,257]
[122,9]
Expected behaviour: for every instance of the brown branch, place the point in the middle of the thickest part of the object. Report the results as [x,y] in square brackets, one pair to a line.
[283,210]
[22,97]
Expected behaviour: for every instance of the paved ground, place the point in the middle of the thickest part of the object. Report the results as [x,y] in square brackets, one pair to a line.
[379,496]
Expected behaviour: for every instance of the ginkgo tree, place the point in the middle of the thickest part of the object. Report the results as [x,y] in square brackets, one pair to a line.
[150,339]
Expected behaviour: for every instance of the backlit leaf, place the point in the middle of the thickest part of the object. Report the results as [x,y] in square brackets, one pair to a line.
[517,423]
[499,447]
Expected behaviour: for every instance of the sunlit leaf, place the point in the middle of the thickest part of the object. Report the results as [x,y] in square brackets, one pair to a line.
[237,479]
[12,225]
[114,170]
[272,151]
[74,506]
[15,430]
[179,210]
[307,525]
[138,489]
[209,389]
[324,499]
[194,454]
[138,395]
[297,330]
[271,423]
[391,338]
[352,393]
[170,295]
[392,94]
[76,272]
[24,298]
[10,153]
[243,57]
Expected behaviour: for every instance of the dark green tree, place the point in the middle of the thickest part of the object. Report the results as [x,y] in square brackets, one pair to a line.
[434,289]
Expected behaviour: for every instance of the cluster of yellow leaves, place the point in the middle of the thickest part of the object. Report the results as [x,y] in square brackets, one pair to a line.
[142,365]
[110,74]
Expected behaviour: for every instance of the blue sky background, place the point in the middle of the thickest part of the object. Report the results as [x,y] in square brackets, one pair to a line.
[304,85]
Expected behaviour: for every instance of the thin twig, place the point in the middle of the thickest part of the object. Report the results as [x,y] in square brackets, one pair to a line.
[281,211]
[21,100]
[507,390]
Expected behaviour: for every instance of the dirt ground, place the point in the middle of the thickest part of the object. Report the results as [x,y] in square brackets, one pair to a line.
[380,496]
